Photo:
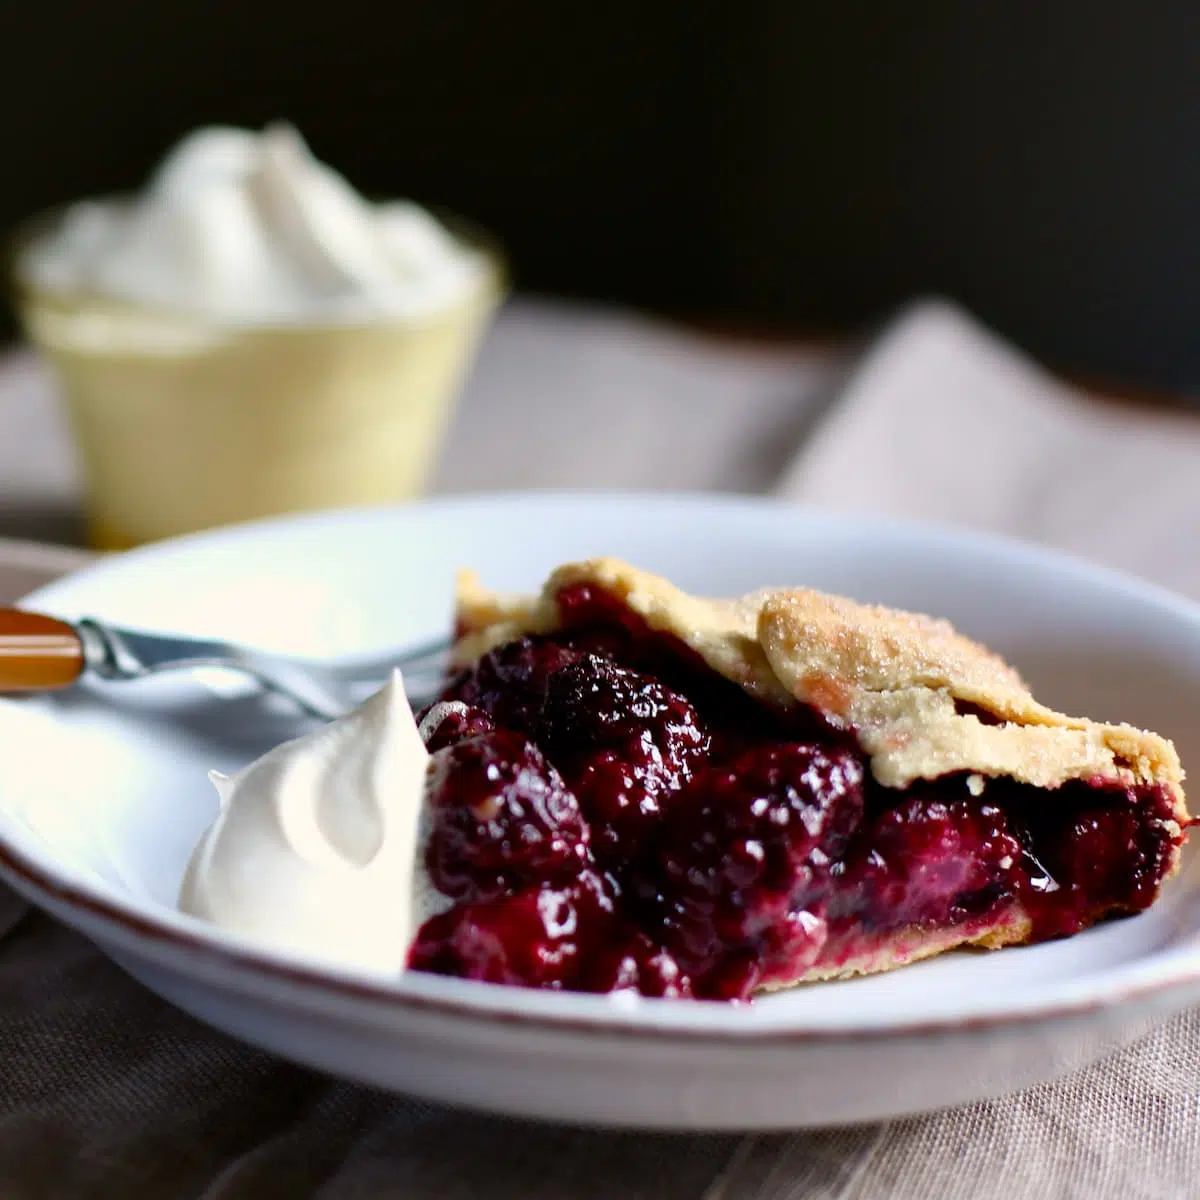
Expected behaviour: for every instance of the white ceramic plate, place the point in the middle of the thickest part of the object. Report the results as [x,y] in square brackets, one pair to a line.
[103,792]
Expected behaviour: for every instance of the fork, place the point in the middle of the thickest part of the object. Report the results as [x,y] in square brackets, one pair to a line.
[40,653]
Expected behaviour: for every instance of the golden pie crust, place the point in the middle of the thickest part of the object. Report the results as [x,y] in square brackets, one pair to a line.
[910,687]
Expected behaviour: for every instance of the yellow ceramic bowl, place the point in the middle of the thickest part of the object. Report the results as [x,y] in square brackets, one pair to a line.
[184,423]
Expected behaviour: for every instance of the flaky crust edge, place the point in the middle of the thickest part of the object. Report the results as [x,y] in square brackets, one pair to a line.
[909,685]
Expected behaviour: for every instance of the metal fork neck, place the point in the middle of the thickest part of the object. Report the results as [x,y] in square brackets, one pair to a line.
[105,653]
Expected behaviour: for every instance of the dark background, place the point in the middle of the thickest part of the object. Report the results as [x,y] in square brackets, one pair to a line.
[790,165]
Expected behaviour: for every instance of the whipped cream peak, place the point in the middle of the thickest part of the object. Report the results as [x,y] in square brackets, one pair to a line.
[335,239]
[316,845]
[253,228]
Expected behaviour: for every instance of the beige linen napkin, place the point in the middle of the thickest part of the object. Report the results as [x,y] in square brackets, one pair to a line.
[105,1091]
[945,422]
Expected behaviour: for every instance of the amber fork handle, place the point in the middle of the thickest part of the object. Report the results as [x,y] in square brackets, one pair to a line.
[38,653]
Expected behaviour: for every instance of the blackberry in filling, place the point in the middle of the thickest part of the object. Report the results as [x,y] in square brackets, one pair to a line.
[609,813]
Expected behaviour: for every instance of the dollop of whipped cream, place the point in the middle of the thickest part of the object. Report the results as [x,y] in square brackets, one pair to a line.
[318,844]
[252,228]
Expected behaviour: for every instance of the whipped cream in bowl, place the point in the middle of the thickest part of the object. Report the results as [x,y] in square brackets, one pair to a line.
[250,335]
[318,845]
[251,228]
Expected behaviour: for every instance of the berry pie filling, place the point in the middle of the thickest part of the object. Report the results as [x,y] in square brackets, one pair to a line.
[606,812]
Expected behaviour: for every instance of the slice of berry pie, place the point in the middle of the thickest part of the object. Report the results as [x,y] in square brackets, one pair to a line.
[634,788]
